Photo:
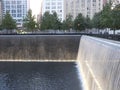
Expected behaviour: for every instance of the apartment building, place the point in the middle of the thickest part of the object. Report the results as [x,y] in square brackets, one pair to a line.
[54,6]
[72,7]
[17,8]
[86,7]
[89,7]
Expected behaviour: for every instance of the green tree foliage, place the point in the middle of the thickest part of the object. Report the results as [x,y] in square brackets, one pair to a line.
[37,25]
[46,21]
[88,23]
[8,22]
[115,13]
[56,24]
[68,23]
[96,20]
[108,18]
[29,21]
[79,23]
[0,27]
[105,18]
[50,21]
[115,18]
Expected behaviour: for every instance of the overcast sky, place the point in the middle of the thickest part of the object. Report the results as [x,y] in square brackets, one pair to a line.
[35,6]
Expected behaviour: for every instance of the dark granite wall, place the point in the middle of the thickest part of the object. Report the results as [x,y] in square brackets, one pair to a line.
[36,47]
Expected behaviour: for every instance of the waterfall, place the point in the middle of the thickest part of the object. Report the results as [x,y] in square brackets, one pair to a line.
[39,47]
[99,63]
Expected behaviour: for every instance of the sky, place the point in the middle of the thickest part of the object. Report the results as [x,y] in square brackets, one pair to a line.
[35,6]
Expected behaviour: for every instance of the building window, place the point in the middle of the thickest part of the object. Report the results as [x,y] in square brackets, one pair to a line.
[47,3]
[60,10]
[13,2]
[19,11]
[59,7]
[53,3]
[13,11]
[7,2]
[19,15]
[8,7]
[13,6]
[19,6]
[54,7]
[47,7]
[59,3]
[18,2]
[14,15]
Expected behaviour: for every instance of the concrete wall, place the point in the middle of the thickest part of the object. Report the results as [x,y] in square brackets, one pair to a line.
[38,47]
[99,63]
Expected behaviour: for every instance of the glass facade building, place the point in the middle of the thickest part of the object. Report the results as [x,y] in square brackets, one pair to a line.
[17,8]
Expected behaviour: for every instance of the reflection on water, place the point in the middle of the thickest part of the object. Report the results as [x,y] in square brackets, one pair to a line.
[38,76]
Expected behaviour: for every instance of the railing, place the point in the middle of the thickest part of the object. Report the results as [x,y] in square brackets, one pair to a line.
[106,36]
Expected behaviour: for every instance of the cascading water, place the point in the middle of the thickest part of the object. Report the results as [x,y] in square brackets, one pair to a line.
[99,63]
[38,47]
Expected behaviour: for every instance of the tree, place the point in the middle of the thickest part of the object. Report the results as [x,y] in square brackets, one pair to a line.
[96,20]
[50,21]
[68,23]
[88,23]
[115,18]
[102,19]
[8,22]
[0,27]
[46,21]
[56,24]
[79,22]
[105,18]
[29,21]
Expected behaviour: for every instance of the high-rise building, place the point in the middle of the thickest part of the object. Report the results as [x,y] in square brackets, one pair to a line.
[0,12]
[86,7]
[72,7]
[54,6]
[17,8]
[89,7]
